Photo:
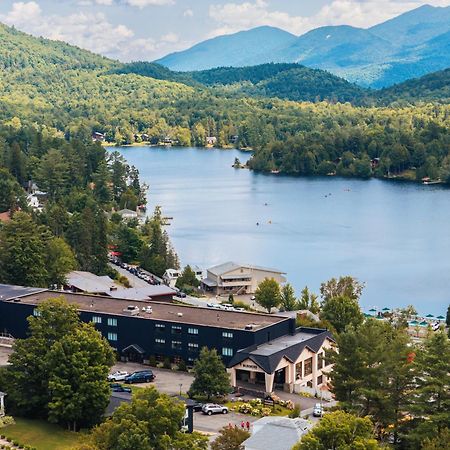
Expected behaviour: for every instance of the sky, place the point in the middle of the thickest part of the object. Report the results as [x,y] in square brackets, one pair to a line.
[131,30]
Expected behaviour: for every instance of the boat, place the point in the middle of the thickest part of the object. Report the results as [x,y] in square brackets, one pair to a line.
[275,172]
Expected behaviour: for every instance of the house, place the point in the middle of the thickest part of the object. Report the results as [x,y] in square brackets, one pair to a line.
[233,278]
[211,141]
[276,433]
[198,272]
[98,137]
[158,292]
[128,214]
[293,363]
[87,282]
[170,277]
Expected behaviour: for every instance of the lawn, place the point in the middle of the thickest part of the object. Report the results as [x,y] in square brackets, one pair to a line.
[277,410]
[42,435]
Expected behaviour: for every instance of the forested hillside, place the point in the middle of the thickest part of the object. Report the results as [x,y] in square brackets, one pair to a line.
[77,93]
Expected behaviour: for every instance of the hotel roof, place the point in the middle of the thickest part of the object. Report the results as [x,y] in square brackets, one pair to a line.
[224,268]
[160,311]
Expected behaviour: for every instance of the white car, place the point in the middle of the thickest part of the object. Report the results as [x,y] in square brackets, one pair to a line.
[318,410]
[213,408]
[118,376]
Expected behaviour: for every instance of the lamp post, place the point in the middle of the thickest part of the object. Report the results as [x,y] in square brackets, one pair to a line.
[181,385]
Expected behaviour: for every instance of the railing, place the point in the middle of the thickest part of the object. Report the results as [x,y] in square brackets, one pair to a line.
[6,340]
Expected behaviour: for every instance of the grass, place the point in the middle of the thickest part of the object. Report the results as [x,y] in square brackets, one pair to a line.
[42,435]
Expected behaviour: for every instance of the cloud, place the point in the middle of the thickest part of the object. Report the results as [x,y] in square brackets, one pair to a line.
[144,3]
[89,30]
[188,13]
[232,17]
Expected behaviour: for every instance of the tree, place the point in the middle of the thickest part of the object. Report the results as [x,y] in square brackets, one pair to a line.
[79,363]
[11,194]
[23,252]
[439,442]
[308,301]
[129,242]
[288,302]
[150,421]
[210,376]
[345,287]
[339,431]
[60,261]
[268,294]
[187,279]
[341,312]
[431,402]
[230,438]
[52,174]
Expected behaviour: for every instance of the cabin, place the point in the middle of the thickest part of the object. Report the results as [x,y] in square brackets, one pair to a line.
[98,137]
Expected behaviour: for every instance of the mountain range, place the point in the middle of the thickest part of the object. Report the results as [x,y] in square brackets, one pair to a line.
[408,46]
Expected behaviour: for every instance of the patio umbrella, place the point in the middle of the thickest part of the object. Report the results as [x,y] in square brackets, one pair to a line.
[386,309]
[372,310]
[414,322]
[429,316]
[440,317]
[423,323]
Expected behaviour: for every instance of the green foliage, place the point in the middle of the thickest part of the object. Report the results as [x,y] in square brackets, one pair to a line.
[288,301]
[210,376]
[187,281]
[340,305]
[59,372]
[308,301]
[31,256]
[11,194]
[340,431]
[230,438]
[151,420]
[268,294]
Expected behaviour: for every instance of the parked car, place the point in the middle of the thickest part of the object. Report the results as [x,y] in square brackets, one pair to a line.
[116,387]
[318,410]
[119,375]
[141,376]
[213,408]
[197,406]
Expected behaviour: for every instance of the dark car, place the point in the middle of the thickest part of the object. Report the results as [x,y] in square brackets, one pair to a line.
[141,376]
[116,387]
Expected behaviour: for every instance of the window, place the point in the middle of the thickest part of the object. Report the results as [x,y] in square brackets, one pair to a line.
[298,370]
[36,313]
[308,366]
[176,345]
[227,351]
[227,335]
[96,319]
[192,346]
[112,322]
[160,326]
[112,336]
[160,341]
[320,360]
[193,330]
[176,329]
[319,380]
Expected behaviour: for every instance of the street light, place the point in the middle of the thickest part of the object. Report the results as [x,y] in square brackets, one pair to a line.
[181,385]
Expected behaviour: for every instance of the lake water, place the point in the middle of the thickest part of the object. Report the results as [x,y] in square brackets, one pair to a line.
[393,236]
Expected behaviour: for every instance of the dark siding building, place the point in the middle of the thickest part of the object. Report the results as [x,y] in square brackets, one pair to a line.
[140,330]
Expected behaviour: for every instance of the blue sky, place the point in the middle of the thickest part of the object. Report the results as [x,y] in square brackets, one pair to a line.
[148,29]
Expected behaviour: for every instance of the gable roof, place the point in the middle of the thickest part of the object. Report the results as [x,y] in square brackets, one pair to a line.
[268,430]
[229,266]
[268,355]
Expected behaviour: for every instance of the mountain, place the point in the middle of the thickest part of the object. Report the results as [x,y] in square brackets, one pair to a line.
[431,87]
[410,45]
[285,81]
[245,48]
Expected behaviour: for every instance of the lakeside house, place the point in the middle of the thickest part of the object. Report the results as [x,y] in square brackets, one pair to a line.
[211,141]
[171,276]
[234,278]
[98,137]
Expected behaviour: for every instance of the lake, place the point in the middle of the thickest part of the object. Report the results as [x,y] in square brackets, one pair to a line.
[394,236]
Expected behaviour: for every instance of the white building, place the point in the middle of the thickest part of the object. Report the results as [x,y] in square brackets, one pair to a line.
[293,363]
[276,433]
[233,278]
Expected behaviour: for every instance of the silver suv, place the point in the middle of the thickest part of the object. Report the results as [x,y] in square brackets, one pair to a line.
[213,408]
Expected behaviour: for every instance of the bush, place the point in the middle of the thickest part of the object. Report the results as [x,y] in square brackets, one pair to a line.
[239,304]
[167,364]
[182,366]
[5,421]
[295,412]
